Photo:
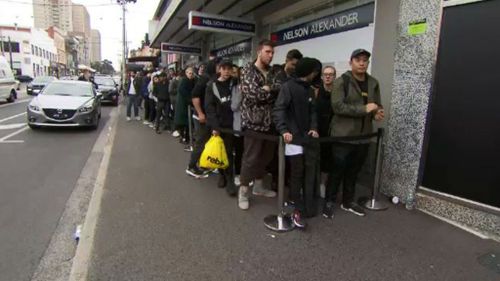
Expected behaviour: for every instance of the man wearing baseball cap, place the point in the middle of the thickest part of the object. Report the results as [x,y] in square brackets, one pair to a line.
[356,103]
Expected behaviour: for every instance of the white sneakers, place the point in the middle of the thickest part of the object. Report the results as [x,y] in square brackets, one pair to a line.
[259,190]
[138,118]
[176,134]
[243,202]
[128,119]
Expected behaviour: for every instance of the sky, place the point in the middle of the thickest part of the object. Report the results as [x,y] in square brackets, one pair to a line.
[105,15]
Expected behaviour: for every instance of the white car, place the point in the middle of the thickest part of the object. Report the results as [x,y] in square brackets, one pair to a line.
[8,84]
[65,104]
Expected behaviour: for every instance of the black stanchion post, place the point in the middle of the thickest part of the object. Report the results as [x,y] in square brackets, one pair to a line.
[281,222]
[374,203]
[190,126]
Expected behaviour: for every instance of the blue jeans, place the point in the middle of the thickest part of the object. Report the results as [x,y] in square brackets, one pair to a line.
[132,101]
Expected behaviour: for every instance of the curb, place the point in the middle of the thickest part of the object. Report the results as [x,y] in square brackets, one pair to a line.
[81,261]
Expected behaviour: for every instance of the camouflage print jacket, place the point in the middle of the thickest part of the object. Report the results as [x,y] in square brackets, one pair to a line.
[257,104]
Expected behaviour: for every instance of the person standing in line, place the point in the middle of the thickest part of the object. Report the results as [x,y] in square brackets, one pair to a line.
[152,99]
[172,92]
[132,89]
[355,103]
[295,117]
[162,106]
[184,90]
[202,132]
[325,113]
[238,139]
[256,109]
[145,96]
[220,116]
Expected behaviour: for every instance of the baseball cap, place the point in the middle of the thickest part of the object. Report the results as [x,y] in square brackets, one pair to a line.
[226,62]
[358,52]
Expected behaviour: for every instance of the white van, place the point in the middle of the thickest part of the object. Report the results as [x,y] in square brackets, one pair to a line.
[8,84]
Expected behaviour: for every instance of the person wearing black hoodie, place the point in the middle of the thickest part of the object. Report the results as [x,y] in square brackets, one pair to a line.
[201,132]
[220,116]
[160,91]
[294,115]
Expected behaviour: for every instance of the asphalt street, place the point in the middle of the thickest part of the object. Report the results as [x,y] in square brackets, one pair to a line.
[38,171]
[156,223]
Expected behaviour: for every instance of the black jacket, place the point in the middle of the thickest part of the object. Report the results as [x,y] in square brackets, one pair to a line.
[324,111]
[160,90]
[137,85]
[218,104]
[294,110]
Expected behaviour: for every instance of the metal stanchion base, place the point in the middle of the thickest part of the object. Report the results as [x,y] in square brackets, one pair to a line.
[279,223]
[373,205]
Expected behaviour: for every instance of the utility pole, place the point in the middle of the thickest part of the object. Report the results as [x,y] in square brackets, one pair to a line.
[123,3]
[10,54]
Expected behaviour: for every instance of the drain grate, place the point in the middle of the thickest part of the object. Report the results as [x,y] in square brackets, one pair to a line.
[490,261]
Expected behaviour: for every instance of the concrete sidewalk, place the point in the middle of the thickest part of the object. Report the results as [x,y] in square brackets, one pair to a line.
[157,223]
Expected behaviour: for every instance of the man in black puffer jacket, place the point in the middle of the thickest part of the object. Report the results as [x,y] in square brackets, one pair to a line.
[220,116]
[295,117]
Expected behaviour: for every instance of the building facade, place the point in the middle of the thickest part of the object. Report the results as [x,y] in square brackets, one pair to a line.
[33,51]
[47,13]
[95,42]
[82,30]
[439,154]
[59,37]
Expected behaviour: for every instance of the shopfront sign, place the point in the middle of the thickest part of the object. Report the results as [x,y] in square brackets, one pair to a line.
[216,23]
[358,17]
[237,49]
[180,49]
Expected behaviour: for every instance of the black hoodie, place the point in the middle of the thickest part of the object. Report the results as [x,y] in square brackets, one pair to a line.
[294,111]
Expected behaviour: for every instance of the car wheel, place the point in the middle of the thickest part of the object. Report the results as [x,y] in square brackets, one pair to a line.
[12,96]
[34,127]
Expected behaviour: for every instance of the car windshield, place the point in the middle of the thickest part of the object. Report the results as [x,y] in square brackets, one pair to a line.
[43,79]
[69,89]
[105,81]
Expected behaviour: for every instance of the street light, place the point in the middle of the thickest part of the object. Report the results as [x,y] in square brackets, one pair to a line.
[123,3]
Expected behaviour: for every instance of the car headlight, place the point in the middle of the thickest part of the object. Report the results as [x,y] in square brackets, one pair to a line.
[86,107]
[34,107]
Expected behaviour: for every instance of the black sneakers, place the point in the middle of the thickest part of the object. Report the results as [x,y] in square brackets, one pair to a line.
[353,208]
[196,172]
[328,210]
[222,181]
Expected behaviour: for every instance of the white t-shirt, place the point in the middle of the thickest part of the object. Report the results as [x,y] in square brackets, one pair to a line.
[131,91]
[293,149]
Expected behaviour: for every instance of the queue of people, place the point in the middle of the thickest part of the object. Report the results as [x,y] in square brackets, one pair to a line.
[299,101]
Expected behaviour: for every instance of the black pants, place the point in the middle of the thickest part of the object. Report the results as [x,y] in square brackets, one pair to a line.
[257,154]
[152,111]
[238,154]
[147,105]
[229,145]
[162,110]
[202,136]
[348,159]
[296,163]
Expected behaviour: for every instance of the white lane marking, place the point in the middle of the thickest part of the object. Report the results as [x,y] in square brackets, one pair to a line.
[12,126]
[12,117]
[16,102]
[12,141]
[13,134]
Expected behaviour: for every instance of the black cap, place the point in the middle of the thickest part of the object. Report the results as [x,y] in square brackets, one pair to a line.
[226,62]
[358,52]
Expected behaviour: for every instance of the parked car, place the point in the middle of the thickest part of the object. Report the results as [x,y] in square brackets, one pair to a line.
[65,104]
[24,78]
[8,84]
[38,84]
[108,87]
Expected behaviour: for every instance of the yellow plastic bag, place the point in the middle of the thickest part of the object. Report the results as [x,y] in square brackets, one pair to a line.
[214,155]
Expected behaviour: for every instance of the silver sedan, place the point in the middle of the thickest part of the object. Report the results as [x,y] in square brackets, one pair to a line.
[65,104]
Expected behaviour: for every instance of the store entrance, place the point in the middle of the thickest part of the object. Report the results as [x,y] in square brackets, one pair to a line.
[463,155]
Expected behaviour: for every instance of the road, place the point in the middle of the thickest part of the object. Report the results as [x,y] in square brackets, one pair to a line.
[38,172]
